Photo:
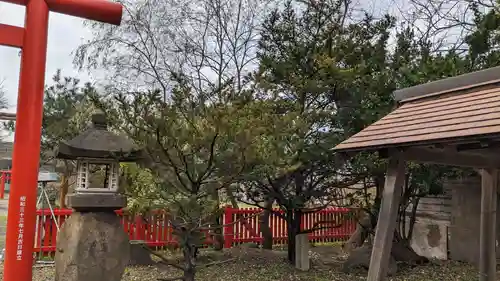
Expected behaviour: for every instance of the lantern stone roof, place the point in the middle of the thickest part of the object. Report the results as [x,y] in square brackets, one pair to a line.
[96,142]
[463,111]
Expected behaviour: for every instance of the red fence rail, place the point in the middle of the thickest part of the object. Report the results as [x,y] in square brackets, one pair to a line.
[240,226]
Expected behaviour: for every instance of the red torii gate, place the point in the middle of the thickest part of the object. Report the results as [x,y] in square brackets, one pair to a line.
[32,39]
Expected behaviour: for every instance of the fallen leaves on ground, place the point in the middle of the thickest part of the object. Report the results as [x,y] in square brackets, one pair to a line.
[262,265]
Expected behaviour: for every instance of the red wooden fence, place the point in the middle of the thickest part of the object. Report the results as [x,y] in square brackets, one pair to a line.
[155,230]
[4,179]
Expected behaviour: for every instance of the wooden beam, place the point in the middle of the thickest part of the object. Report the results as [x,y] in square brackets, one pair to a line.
[432,156]
[487,240]
[479,145]
[98,10]
[386,223]
[12,36]
[17,2]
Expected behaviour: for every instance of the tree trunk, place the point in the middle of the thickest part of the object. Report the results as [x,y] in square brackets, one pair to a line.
[291,237]
[363,229]
[265,229]
[189,263]
[400,252]
[230,194]
[218,237]
[293,222]
[218,233]
[366,226]
[403,252]
[63,191]
[291,245]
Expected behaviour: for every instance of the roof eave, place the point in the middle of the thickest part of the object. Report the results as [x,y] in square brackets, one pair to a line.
[451,84]
[444,141]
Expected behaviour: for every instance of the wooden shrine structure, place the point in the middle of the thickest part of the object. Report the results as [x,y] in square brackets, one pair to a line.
[455,122]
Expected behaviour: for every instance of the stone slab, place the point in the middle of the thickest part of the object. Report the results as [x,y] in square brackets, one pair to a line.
[430,240]
[466,220]
[96,201]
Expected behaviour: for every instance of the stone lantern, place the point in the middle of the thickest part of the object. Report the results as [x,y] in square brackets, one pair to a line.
[92,244]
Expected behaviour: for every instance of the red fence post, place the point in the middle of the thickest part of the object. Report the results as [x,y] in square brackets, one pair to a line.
[228,227]
[38,232]
[2,185]
[139,229]
[276,229]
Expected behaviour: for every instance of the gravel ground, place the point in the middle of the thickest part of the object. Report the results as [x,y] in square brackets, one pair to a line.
[3,223]
[259,265]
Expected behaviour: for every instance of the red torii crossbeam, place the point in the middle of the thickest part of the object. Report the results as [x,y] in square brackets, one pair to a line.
[32,39]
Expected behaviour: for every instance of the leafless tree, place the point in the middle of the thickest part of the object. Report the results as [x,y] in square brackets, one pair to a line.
[444,23]
[213,42]
[4,103]
[209,45]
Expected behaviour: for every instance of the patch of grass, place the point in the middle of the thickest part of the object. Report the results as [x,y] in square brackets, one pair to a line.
[3,226]
[336,244]
[45,258]
[328,244]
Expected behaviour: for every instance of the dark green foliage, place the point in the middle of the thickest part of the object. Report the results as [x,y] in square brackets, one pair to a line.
[322,76]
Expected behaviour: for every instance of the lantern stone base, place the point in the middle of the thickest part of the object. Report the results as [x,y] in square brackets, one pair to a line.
[92,246]
[96,201]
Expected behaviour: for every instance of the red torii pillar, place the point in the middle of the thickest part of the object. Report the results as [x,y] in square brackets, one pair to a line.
[32,39]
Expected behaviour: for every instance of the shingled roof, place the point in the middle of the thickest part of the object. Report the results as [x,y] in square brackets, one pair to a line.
[462,108]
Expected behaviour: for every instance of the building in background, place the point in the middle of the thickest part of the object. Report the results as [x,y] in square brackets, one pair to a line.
[6,163]
[6,155]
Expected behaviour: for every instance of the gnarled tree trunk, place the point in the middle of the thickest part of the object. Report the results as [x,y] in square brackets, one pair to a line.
[401,250]
[189,263]
[363,230]
[265,229]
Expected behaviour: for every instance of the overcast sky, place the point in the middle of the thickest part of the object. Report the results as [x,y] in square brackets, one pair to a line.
[65,34]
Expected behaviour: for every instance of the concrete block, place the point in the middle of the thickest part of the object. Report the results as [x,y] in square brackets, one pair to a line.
[302,252]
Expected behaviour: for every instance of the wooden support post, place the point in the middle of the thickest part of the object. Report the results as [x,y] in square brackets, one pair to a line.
[387,217]
[487,241]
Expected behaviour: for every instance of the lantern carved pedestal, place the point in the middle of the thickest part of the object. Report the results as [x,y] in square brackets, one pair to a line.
[92,244]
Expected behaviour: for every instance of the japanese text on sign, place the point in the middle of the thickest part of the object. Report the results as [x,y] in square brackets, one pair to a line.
[22,204]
